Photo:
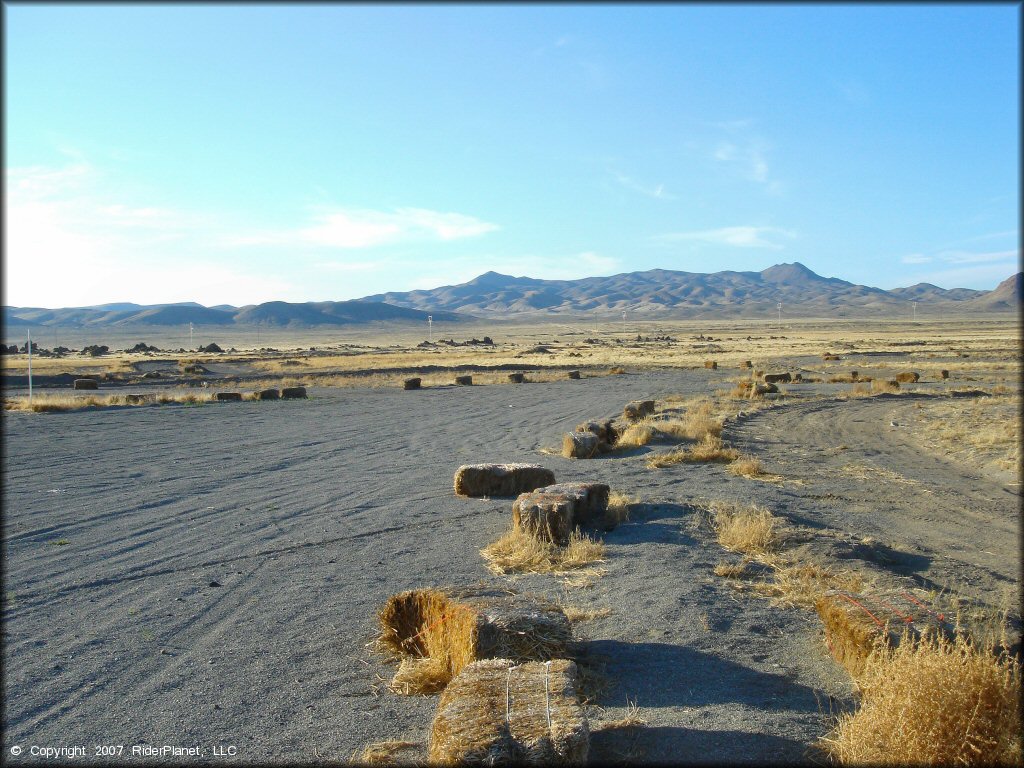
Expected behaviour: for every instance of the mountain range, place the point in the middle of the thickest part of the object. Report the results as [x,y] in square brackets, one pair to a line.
[657,294]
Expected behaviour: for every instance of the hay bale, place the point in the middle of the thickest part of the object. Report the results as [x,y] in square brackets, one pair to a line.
[855,624]
[545,516]
[497,712]
[746,364]
[85,384]
[464,381]
[580,445]
[771,378]
[760,390]
[516,378]
[293,393]
[135,398]
[552,513]
[829,356]
[637,409]
[604,430]
[268,394]
[573,374]
[413,383]
[438,632]
[907,376]
[225,397]
[590,500]
[501,479]
[798,377]
[711,364]
[943,374]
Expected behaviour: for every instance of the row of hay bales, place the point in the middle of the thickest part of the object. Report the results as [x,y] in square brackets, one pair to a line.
[500,660]
[594,437]
[516,377]
[286,393]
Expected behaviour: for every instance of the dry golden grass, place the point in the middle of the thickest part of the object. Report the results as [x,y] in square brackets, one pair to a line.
[48,403]
[937,702]
[751,530]
[710,449]
[731,570]
[385,753]
[631,719]
[575,614]
[984,431]
[617,512]
[518,552]
[636,435]
[800,584]
[746,466]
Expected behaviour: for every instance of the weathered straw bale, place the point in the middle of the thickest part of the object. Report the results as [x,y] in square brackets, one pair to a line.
[856,623]
[943,374]
[228,396]
[135,398]
[580,445]
[268,394]
[413,383]
[758,390]
[710,364]
[573,374]
[829,356]
[590,500]
[552,513]
[638,409]
[798,377]
[85,384]
[770,378]
[908,376]
[440,631]
[604,430]
[516,378]
[464,381]
[499,713]
[746,364]
[292,393]
[545,516]
[501,479]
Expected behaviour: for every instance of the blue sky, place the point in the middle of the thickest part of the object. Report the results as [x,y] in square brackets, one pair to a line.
[239,154]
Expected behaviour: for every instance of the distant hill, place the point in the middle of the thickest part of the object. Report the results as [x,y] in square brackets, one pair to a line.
[656,293]
[272,313]
[668,293]
[1008,295]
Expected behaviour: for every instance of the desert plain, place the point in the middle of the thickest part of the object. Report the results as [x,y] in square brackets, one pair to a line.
[208,575]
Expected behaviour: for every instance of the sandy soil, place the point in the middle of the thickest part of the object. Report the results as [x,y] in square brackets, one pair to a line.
[209,576]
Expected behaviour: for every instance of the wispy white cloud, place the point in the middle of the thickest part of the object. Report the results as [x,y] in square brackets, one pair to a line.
[916,258]
[656,191]
[744,153]
[969,257]
[345,228]
[739,237]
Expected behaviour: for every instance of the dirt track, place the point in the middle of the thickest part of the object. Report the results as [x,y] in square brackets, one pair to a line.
[210,575]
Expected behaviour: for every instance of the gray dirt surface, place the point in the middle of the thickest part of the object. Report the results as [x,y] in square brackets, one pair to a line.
[210,576]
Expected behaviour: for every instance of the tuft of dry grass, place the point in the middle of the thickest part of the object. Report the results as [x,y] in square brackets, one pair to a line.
[617,512]
[709,449]
[933,702]
[752,530]
[731,570]
[517,551]
[384,753]
[636,435]
[59,403]
[574,613]
[801,584]
[746,466]
[617,370]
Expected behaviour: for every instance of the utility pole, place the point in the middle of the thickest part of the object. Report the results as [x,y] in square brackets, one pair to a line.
[915,311]
[191,344]
[28,348]
[430,329]
[779,306]
[623,322]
